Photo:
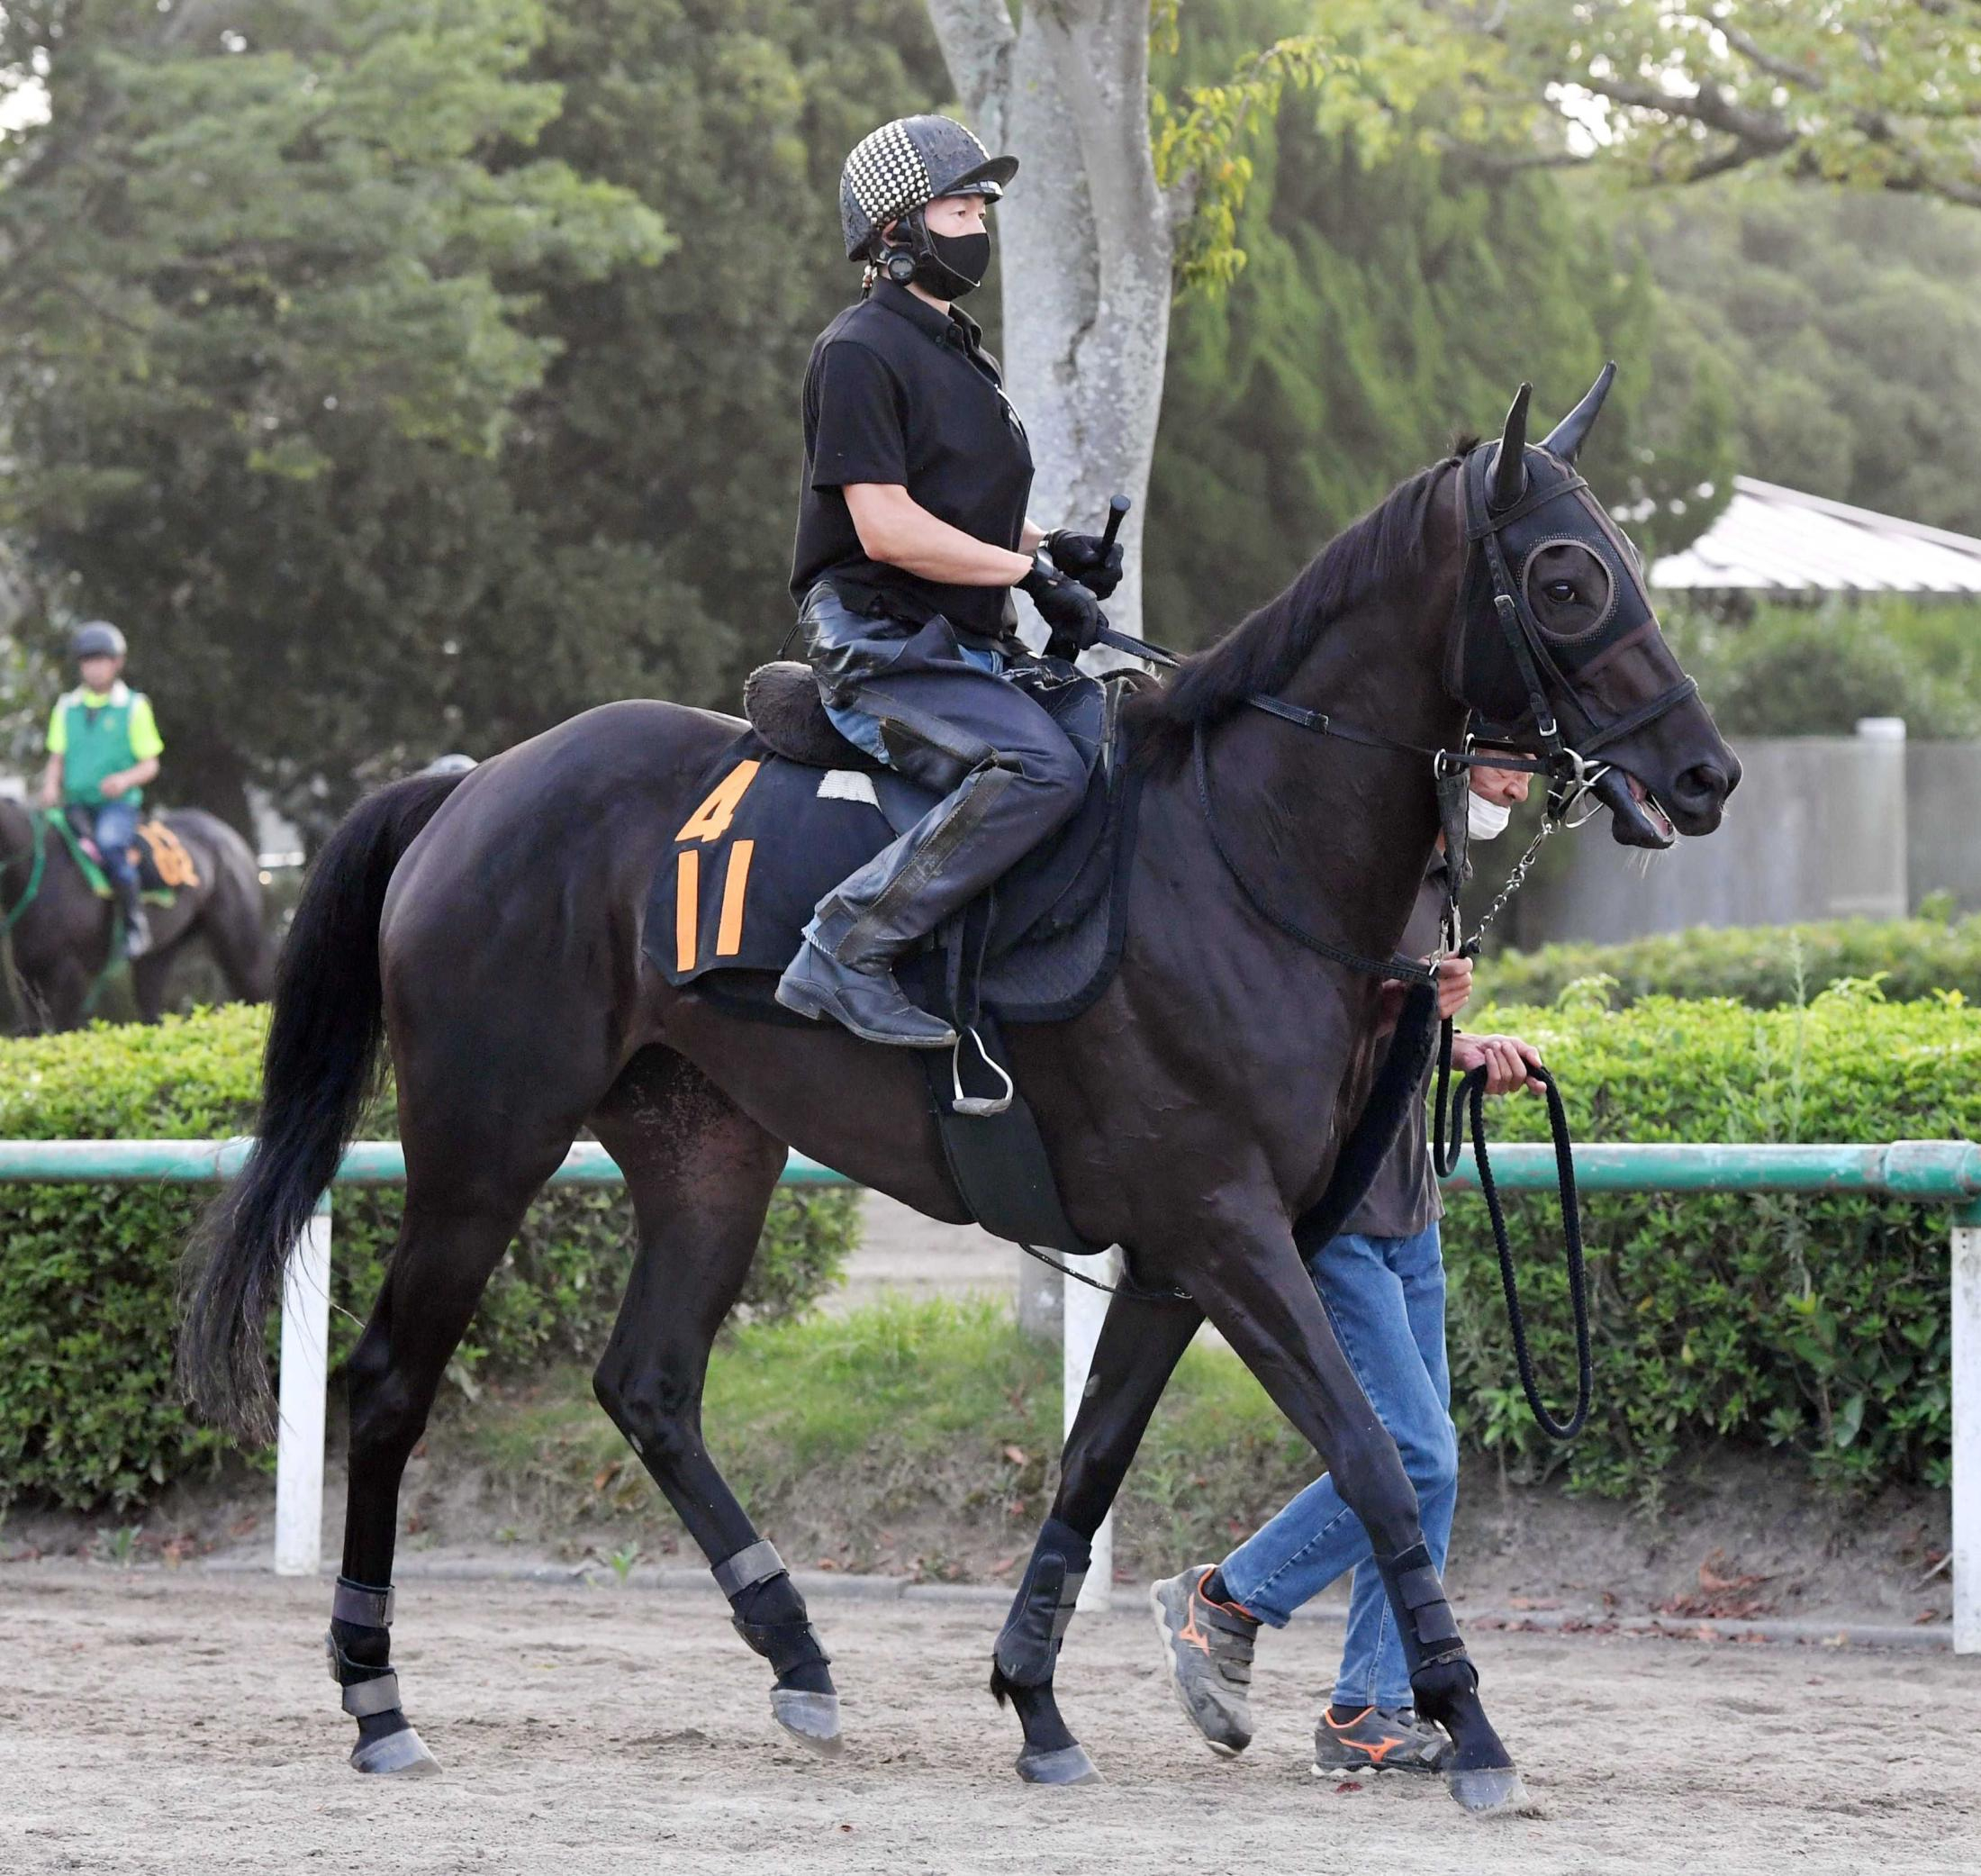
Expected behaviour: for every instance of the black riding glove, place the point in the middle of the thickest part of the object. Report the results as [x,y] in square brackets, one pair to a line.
[1095,565]
[1072,613]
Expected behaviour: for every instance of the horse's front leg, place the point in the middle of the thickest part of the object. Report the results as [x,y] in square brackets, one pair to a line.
[1253,1286]
[1141,1343]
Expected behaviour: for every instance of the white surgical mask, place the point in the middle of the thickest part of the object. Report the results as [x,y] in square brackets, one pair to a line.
[1485,819]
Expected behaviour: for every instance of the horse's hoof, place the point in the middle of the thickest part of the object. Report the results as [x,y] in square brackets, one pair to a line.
[401,1754]
[1488,1790]
[811,1718]
[1067,1765]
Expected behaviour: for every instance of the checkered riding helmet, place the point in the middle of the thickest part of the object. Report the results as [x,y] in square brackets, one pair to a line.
[906,165]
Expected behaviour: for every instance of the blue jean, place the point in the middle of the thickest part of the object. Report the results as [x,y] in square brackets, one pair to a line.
[113,827]
[1385,1297]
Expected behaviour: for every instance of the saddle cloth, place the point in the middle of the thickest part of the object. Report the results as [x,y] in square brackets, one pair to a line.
[163,865]
[770,837]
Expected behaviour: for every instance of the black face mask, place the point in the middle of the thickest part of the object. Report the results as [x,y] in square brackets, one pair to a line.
[955,264]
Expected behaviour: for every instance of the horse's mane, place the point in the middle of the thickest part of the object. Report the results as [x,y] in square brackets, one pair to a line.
[1260,655]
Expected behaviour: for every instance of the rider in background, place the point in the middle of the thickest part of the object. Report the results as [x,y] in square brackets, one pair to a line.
[911,534]
[102,746]
[1382,1281]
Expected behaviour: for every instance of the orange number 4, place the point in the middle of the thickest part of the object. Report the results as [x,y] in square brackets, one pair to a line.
[712,819]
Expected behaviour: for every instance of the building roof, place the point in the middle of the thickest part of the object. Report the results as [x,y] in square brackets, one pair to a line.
[1775,540]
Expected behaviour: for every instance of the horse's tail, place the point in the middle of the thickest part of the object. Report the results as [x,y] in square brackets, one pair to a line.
[318,1072]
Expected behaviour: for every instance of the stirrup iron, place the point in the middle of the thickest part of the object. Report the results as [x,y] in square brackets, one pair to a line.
[978,1106]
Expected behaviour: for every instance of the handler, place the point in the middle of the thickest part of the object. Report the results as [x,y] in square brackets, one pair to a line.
[102,746]
[1382,1283]
[911,534]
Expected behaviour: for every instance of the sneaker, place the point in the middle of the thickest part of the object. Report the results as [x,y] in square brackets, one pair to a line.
[1377,1738]
[1207,1647]
[137,938]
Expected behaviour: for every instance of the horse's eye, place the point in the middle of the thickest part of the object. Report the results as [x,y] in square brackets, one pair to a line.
[1560,591]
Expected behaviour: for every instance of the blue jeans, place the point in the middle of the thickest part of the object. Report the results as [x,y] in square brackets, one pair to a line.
[1385,1297]
[113,827]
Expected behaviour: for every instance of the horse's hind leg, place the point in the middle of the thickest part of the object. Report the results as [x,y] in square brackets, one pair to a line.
[465,1194]
[1141,1343]
[701,1175]
[1256,1290]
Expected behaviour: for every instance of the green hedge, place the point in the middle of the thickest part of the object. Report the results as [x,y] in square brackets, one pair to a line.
[1766,966]
[1818,1325]
[88,1273]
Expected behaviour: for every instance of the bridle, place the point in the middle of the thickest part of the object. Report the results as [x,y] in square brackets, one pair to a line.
[1571,768]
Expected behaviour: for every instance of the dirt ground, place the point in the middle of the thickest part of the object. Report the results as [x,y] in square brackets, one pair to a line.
[174,1721]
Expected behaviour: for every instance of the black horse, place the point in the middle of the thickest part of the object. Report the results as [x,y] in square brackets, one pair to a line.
[490,928]
[62,931]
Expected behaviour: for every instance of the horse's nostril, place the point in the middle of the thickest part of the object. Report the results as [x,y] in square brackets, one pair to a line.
[1703,783]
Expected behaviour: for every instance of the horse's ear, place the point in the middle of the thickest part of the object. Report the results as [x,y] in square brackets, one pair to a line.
[1510,465]
[1568,436]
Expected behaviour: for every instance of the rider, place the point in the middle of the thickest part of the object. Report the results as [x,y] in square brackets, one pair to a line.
[102,746]
[1383,1280]
[911,533]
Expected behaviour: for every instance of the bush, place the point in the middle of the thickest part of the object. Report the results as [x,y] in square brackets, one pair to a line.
[1816,1324]
[88,1413]
[1765,966]
[1797,670]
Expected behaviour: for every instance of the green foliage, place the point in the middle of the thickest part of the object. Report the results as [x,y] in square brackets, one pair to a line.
[1765,966]
[1815,670]
[271,274]
[1874,94]
[87,1272]
[1848,335]
[1386,301]
[1815,1324]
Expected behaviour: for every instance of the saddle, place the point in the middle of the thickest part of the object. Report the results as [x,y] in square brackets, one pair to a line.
[791,807]
[165,867]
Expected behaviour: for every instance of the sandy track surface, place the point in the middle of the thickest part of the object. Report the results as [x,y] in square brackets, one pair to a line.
[182,1722]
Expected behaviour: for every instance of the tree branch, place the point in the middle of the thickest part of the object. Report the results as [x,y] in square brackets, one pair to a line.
[977,37]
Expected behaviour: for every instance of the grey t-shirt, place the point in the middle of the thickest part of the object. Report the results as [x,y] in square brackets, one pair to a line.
[1403,1199]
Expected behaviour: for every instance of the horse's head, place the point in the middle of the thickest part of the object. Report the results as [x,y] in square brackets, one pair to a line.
[1556,643]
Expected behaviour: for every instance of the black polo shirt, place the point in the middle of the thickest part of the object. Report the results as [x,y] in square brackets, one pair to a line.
[897,392]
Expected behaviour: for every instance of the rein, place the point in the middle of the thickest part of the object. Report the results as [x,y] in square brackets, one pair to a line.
[39,833]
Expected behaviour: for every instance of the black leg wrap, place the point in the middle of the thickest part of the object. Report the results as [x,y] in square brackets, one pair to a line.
[1029,1646]
[786,1645]
[359,1648]
[1021,1670]
[1444,1682]
[1426,1626]
[768,1614]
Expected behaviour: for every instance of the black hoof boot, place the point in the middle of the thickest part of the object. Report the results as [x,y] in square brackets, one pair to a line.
[1481,1771]
[768,1614]
[359,1646]
[1027,1650]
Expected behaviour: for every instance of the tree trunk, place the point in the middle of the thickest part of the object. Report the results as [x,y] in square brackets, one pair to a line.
[1085,245]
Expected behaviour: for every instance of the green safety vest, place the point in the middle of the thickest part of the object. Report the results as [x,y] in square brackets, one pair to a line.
[99,744]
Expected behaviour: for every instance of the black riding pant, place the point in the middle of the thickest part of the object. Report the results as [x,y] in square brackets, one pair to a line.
[1006,773]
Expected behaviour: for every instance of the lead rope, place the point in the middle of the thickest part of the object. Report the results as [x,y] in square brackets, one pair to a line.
[1445,1160]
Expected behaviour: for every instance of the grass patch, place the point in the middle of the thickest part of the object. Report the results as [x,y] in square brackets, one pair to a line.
[918,1437]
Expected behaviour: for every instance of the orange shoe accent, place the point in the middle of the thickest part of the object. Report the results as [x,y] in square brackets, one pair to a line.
[1377,1753]
[1190,1632]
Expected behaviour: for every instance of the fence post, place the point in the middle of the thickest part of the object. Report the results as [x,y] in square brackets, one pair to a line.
[306,1366]
[1086,1309]
[1966,1263]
